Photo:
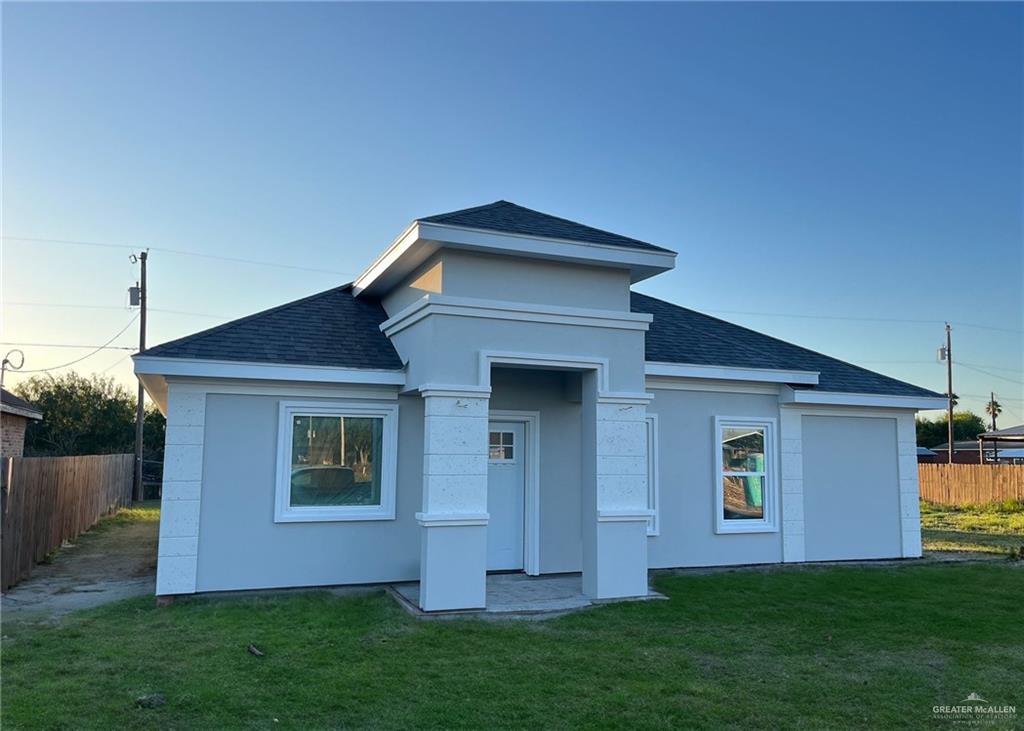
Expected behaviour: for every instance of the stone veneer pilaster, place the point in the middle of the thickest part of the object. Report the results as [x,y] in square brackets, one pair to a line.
[617,565]
[179,507]
[453,560]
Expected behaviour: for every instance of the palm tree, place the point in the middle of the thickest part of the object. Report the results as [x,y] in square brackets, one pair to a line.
[993,409]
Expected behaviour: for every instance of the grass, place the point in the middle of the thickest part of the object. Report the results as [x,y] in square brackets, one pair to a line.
[146,512]
[801,648]
[993,528]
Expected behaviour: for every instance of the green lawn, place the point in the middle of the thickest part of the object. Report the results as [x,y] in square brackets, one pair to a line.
[995,528]
[805,648]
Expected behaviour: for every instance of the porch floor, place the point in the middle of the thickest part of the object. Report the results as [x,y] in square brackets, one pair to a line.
[518,595]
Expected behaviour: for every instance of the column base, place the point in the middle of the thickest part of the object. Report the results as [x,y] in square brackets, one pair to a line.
[453,563]
[621,567]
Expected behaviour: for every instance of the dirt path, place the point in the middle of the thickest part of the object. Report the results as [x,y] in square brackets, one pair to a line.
[114,560]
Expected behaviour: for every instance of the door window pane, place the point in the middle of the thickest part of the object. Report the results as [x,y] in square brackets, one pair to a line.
[501,446]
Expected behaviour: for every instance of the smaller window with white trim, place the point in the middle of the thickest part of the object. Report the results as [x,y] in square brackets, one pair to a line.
[501,446]
[745,485]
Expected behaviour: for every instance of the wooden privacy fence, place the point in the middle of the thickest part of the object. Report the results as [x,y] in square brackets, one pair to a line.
[48,500]
[960,484]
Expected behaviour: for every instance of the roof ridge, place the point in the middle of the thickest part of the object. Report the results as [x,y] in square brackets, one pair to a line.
[533,224]
[232,323]
[471,209]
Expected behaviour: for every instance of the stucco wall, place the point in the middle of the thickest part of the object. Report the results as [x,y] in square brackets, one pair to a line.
[240,546]
[688,482]
[851,488]
[446,349]
[12,435]
[516,279]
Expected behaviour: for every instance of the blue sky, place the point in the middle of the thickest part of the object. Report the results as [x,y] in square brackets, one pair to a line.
[821,160]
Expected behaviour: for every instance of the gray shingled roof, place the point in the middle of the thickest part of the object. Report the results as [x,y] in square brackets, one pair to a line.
[679,335]
[332,328]
[14,405]
[511,218]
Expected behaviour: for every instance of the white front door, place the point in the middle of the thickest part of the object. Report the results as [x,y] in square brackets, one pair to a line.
[506,495]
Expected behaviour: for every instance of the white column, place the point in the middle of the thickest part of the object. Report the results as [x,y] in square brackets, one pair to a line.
[614,499]
[910,505]
[453,558]
[178,550]
[792,471]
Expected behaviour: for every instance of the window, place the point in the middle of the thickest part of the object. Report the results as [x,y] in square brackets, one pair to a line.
[745,484]
[501,446]
[336,461]
[652,474]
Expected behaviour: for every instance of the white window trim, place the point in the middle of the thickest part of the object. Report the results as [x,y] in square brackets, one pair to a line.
[770,522]
[653,491]
[286,513]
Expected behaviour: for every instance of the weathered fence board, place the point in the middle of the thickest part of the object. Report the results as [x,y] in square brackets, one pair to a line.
[48,500]
[961,484]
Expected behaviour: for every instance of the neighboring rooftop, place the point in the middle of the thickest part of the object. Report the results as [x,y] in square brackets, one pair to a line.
[331,328]
[971,445]
[679,335]
[1016,432]
[11,404]
[511,218]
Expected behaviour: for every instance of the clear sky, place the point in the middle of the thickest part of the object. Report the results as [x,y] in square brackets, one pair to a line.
[809,162]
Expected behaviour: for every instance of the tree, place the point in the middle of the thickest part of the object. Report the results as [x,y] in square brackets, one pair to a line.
[933,432]
[86,415]
[993,408]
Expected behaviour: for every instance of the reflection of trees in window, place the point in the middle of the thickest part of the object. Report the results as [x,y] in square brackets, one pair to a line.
[349,441]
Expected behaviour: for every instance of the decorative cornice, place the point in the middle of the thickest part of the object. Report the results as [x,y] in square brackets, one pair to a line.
[439,304]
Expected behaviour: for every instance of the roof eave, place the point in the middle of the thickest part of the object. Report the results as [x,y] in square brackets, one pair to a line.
[421,239]
[18,411]
[814,397]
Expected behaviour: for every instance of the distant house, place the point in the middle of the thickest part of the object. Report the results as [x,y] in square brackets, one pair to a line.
[15,414]
[926,456]
[969,451]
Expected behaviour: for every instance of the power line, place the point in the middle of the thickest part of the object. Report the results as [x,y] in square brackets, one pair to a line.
[71,345]
[992,375]
[117,362]
[88,355]
[113,307]
[181,252]
[860,319]
[929,362]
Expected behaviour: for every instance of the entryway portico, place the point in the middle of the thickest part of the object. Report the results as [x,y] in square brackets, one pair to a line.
[469,470]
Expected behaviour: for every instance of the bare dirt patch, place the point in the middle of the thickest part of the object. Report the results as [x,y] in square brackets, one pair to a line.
[116,559]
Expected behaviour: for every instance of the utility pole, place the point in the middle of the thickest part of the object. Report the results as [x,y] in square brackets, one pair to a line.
[949,382]
[140,411]
[995,444]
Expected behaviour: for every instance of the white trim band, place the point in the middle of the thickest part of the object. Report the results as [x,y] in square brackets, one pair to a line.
[445,520]
[624,516]
[727,373]
[422,238]
[439,304]
[836,398]
[200,368]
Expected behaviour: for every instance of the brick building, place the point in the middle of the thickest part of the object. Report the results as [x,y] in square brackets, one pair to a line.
[15,414]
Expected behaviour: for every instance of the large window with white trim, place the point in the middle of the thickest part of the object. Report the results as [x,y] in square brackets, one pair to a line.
[745,483]
[336,461]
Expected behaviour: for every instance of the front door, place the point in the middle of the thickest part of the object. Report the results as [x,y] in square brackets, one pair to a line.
[506,495]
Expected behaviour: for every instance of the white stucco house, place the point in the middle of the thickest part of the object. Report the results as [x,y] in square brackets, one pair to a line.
[490,395]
